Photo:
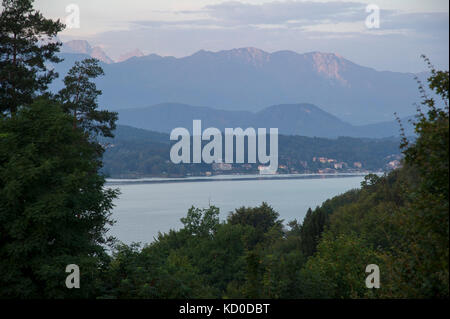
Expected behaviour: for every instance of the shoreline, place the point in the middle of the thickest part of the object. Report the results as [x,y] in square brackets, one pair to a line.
[243,177]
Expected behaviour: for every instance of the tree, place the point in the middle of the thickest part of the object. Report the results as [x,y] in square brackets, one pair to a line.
[201,222]
[79,98]
[337,270]
[311,229]
[26,44]
[54,210]
[261,220]
[420,265]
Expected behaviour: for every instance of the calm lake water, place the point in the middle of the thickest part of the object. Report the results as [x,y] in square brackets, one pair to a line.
[148,206]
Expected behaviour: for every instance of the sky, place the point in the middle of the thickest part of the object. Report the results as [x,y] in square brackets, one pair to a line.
[406,28]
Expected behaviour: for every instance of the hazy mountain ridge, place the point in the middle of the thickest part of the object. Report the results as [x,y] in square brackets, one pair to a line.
[290,119]
[128,55]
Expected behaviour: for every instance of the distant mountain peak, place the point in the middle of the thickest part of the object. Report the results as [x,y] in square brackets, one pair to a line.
[247,55]
[83,47]
[250,51]
[77,46]
[330,65]
[99,54]
[135,53]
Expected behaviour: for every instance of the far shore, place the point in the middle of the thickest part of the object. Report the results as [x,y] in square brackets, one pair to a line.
[241,177]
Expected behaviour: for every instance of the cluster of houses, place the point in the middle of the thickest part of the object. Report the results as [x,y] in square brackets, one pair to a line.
[333,166]
[336,164]
[325,166]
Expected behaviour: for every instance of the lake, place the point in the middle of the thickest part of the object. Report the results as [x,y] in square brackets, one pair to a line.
[146,207]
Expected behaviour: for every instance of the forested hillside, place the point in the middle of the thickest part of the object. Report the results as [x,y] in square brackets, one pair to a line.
[139,153]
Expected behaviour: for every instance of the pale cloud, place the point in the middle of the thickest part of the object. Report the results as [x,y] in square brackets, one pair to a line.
[281,12]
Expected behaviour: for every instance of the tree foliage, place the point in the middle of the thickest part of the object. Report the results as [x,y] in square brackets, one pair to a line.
[79,98]
[53,208]
[420,266]
[26,45]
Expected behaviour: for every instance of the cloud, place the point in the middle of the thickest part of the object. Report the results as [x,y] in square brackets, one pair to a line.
[306,12]
[421,23]
[290,14]
[327,17]
[271,15]
[162,23]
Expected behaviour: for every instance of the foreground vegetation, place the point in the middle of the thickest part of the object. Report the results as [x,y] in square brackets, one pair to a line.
[55,211]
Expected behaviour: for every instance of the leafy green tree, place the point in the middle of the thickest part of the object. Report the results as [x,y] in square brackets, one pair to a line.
[282,262]
[261,219]
[26,45]
[79,98]
[311,229]
[180,279]
[419,266]
[316,221]
[54,209]
[224,261]
[337,270]
[369,180]
[201,222]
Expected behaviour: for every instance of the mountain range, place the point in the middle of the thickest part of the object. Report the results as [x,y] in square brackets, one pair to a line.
[249,79]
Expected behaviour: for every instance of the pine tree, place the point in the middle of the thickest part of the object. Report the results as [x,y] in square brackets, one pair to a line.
[79,98]
[26,44]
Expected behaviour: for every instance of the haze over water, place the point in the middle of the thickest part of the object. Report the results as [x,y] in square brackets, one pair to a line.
[143,209]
